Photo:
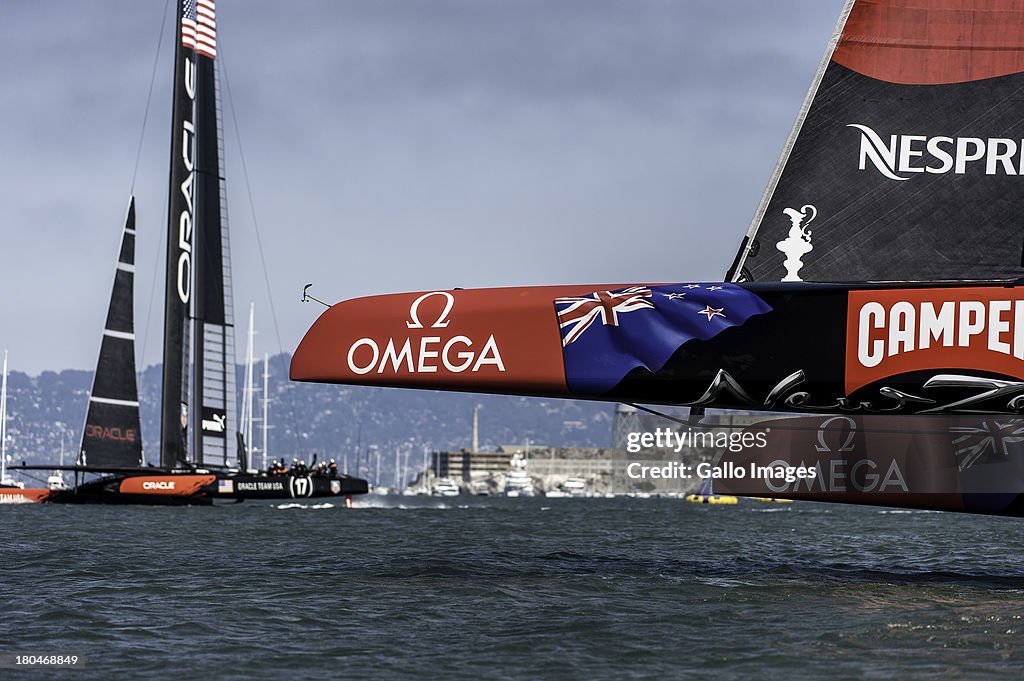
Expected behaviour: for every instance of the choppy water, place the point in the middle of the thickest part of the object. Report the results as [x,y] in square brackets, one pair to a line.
[514,589]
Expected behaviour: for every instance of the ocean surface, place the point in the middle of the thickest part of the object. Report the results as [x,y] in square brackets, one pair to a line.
[467,588]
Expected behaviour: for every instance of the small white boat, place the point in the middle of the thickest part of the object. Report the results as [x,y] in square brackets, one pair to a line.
[445,487]
[575,487]
[518,482]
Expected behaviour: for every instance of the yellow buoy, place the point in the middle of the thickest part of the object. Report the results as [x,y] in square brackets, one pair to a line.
[711,499]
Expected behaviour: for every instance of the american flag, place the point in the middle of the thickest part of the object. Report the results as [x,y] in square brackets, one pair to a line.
[991,442]
[607,334]
[576,314]
[199,26]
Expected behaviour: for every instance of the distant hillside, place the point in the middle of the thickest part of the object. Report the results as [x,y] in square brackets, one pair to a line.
[306,418]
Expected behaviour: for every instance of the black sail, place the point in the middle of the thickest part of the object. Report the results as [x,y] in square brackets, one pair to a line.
[907,159]
[112,434]
[174,418]
[213,340]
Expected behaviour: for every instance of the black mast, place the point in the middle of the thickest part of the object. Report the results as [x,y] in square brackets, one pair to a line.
[174,418]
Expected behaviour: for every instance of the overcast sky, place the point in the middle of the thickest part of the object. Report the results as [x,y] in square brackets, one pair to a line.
[391,146]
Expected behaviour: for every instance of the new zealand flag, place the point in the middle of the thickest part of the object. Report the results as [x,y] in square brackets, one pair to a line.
[607,334]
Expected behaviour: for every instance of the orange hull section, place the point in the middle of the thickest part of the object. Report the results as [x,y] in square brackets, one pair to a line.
[166,485]
[13,495]
[493,340]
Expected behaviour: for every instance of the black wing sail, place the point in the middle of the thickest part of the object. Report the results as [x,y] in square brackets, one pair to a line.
[112,435]
[907,158]
[213,344]
[174,417]
[199,379]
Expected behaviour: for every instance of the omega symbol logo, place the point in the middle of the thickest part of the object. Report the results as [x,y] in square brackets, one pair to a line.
[442,320]
[847,444]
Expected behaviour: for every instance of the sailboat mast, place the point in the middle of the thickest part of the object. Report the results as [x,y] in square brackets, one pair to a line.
[174,417]
[247,394]
[3,422]
[198,336]
[266,400]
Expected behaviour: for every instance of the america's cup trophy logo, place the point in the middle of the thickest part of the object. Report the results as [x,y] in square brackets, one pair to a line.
[798,243]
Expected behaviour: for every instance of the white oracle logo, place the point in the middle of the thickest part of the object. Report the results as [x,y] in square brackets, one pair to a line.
[797,243]
[160,484]
[427,354]
[185,222]
[938,155]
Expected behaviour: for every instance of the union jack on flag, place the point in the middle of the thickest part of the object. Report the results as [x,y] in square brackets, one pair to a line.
[991,442]
[578,313]
[608,334]
[199,26]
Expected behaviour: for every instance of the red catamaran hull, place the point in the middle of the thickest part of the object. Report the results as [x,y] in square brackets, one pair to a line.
[15,495]
[850,348]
